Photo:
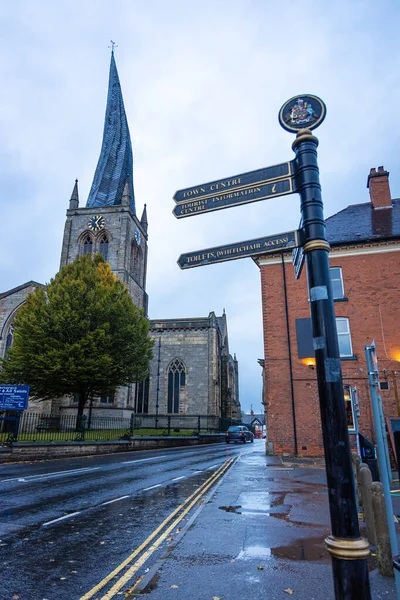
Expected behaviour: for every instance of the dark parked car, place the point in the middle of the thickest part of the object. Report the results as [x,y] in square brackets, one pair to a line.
[239,433]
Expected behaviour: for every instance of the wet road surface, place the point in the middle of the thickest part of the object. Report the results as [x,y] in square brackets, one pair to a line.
[222,522]
[66,524]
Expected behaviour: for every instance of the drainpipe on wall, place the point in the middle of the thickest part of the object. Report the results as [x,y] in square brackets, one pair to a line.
[290,356]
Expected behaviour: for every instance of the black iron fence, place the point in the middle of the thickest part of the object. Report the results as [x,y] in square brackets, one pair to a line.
[39,427]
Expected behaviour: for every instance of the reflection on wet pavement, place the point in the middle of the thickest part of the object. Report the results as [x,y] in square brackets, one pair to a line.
[234,509]
[252,552]
[312,549]
[309,549]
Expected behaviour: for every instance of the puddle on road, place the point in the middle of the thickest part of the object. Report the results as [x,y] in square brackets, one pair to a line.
[151,586]
[261,503]
[236,510]
[311,549]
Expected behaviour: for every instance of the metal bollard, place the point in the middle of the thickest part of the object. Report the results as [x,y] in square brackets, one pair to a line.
[365,484]
[383,549]
[359,469]
[356,467]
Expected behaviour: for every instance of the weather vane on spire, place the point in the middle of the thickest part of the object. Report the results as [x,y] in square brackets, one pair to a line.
[113,45]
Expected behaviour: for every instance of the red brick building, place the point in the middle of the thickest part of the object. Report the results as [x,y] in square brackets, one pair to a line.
[365,277]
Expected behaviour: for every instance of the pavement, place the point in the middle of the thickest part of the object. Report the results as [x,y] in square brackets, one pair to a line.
[259,534]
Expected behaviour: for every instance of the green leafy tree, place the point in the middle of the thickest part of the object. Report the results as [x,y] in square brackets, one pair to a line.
[81,336]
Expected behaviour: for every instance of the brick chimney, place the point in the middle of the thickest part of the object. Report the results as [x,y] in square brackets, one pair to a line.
[379,190]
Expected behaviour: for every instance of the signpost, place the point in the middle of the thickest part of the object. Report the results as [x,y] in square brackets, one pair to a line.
[348,550]
[257,247]
[257,185]
[222,186]
[14,397]
[300,115]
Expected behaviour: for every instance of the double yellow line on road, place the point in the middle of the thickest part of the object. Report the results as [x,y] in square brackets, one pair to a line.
[179,513]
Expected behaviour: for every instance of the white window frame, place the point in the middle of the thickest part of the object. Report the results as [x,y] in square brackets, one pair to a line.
[337,279]
[348,333]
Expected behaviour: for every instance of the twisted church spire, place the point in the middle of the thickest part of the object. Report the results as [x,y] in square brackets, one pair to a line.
[115,165]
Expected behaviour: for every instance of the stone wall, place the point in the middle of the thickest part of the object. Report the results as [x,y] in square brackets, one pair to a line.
[194,344]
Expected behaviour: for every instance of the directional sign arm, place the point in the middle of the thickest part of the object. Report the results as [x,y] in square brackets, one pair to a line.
[250,248]
[237,197]
[222,186]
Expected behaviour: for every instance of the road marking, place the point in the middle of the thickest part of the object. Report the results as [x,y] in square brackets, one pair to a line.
[178,478]
[55,474]
[212,467]
[116,500]
[129,462]
[195,495]
[146,555]
[62,518]
[152,487]
[197,472]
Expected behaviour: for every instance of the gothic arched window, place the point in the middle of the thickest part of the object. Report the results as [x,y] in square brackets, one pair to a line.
[9,340]
[176,381]
[87,244]
[103,247]
[136,263]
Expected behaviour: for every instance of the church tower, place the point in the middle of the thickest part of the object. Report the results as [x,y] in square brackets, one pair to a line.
[108,223]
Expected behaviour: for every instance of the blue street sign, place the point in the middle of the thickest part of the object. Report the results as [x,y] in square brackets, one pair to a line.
[14,397]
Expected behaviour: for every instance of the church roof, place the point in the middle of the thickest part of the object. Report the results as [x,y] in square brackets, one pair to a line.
[21,287]
[116,160]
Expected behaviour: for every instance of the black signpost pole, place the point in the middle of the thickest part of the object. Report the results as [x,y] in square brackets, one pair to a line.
[349,552]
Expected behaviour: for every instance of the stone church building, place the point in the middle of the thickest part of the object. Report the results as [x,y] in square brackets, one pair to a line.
[192,371]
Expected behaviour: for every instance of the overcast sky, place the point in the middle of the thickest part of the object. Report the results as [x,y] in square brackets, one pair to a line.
[203,82]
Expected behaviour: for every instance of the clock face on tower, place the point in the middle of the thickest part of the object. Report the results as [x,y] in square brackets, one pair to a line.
[96,223]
